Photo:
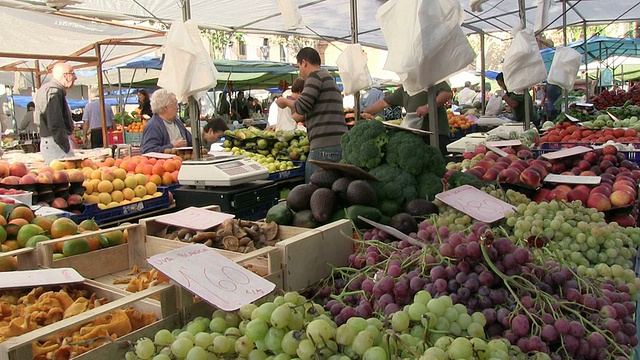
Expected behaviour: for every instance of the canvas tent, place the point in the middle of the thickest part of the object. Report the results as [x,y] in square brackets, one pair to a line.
[598,50]
[330,18]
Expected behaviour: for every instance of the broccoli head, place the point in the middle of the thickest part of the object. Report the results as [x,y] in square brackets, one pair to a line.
[429,184]
[363,145]
[395,186]
[409,152]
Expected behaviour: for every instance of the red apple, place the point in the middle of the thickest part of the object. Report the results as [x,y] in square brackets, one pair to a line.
[559,192]
[624,220]
[76,175]
[629,189]
[612,170]
[599,201]
[578,194]
[542,163]
[60,177]
[583,188]
[531,177]
[587,173]
[509,150]
[492,156]
[524,154]
[541,195]
[513,157]
[509,176]
[480,169]
[10,180]
[48,169]
[28,179]
[18,169]
[621,197]
[558,168]
[480,149]
[74,199]
[474,172]
[591,157]
[610,157]
[505,160]
[491,174]
[604,189]
[608,176]
[605,164]
[59,203]
[596,170]
[576,171]
[542,171]
[609,149]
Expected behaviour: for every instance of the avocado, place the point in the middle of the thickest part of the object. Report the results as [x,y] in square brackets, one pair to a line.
[280,214]
[304,219]
[324,178]
[299,197]
[404,223]
[360,192]
[340,188]
[420,207]
[323,203]
[368,212]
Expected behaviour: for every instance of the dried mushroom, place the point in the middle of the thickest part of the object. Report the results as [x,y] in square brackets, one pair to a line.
[230,243]
[270,230]
[226,228]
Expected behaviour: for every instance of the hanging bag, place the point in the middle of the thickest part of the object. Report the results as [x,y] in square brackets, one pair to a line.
[523,65]
[352,66]
[564,68]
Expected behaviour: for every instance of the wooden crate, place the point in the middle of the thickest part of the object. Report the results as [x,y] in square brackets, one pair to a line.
[26,257]
[20,348]
[307,253]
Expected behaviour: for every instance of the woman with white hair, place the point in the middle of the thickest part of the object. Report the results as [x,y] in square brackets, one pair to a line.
[163,130]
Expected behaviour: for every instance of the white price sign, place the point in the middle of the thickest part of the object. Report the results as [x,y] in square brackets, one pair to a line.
[475,203]
[42,277]
[211,276]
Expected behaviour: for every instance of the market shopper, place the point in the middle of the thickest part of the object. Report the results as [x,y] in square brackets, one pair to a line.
[28,124]
[321,105]
[516,103]
[144,104]
[466,95]
[286,119]
[418,104]
[550,95]
[239,107]
[164,131]
[92,117]
[213,131]
[54,114]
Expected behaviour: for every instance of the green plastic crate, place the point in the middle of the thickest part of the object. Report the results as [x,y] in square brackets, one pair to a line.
[132,138]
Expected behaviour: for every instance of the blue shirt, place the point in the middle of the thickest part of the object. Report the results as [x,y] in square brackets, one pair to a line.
[91,113]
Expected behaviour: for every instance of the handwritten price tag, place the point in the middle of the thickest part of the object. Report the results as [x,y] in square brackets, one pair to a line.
[572,179]
[211,276]
[566,152]
[195,218]
[42,277]
[475,203]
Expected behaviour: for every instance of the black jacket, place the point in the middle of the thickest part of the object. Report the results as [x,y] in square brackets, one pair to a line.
[54,113]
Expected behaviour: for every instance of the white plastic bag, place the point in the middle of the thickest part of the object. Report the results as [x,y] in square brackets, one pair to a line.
[426,48]
[290,14]
[565,66]
[412,120]
[187,69]
[285,120]
[523,65]
[494,106]
[542,15]
[352,66]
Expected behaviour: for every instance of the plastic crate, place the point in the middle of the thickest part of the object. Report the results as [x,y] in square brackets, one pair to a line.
[115,138]
[92,211]
[132,138]
[632,155]
[288,174]
[462,133]
[254,213]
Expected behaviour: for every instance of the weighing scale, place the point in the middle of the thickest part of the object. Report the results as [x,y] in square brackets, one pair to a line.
[226,171]
[234,183]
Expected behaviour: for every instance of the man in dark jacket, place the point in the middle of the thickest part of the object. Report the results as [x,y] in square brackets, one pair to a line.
[56,125]
[164,130]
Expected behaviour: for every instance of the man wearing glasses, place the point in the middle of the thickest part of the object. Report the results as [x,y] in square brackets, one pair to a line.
[56,125]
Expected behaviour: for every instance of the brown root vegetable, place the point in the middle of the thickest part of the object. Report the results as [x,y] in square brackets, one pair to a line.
[244,241]
[226,228]
[230,243]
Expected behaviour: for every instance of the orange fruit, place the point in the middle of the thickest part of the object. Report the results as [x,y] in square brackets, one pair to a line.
[63,226]
[167,178]
[158,169]
[109,161]
[169,166]
[139,168]
[174,176]
[117,163]
[147,170]
[22,212]
[151,187]
[105,186]
[156,179]
[177,163]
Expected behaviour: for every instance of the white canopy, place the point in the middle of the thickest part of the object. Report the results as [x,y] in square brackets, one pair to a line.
[48,37]
[330,18]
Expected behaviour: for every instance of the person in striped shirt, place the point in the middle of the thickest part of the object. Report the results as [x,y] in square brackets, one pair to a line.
[321,104]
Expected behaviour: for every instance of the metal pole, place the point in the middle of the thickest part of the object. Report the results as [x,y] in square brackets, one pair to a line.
[120,102]
[194,111]
[433,116]
[103,118]
[482,71]
[527,100]
[38,83]
[565,92]
[586,67]
[354,40]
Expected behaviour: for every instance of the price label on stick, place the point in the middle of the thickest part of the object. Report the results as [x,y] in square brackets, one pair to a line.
[195,218]
[475,203]
[497,150]
[576,150]
[211,276]
[573,179]
[504,143]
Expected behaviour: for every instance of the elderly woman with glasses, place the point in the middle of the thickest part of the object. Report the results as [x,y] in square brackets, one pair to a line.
[164,130]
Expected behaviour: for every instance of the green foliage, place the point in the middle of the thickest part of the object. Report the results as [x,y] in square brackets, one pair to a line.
[363,145]
[459,178]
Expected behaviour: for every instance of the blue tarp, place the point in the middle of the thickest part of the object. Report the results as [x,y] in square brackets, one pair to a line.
[599,48]
[23,100]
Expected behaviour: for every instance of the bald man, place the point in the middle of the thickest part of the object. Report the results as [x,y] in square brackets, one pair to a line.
[56,125]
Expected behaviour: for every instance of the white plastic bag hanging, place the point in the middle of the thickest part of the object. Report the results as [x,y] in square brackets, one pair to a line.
[494,106]
[352,66]
[187,69]
[290,14]
[426,48]
[542,15]
[523,65]
[565,66]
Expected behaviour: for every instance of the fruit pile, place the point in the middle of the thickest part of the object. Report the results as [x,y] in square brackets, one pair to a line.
[617,98]
[458,122]
[278,145]
[111,187]
[136,127]
[604,120]
[291,326]
[567,132]
[267,161]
